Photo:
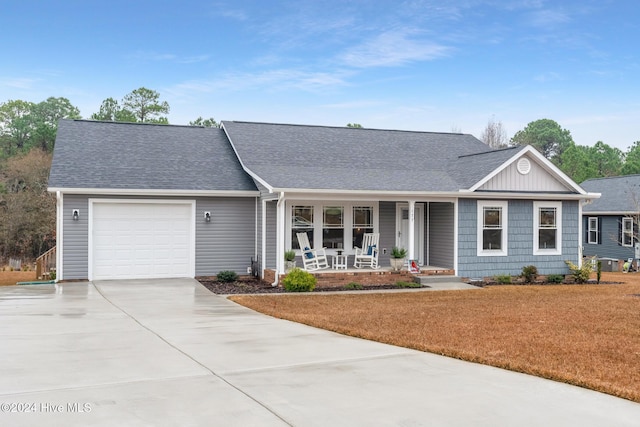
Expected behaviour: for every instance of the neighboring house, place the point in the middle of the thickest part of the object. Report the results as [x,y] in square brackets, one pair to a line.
[611,223]
[143,192]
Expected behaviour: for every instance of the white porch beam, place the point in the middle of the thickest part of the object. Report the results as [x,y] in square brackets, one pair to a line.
[280,216]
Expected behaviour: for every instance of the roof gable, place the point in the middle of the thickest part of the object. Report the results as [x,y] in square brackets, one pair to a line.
[131,156]
[524,169]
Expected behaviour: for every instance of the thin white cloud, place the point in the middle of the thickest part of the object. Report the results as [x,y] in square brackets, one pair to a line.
[547,77]
[271,81]
[18,82]
[353,105]
[392,48]
[548,18]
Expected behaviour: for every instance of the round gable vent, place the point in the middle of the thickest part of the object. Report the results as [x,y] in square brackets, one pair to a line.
[524,166]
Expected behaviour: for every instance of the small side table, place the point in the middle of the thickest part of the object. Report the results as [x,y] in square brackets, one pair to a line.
[339,262]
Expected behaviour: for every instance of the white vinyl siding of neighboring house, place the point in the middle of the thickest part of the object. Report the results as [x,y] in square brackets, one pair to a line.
[547,228]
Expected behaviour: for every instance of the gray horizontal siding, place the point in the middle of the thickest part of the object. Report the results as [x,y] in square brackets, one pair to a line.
[387,226]
[226,243]
[270,261]
[440,235]
[609,246]
[520,242]
[75,241]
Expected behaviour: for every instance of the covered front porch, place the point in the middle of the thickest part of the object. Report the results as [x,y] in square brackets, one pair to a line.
[425,228]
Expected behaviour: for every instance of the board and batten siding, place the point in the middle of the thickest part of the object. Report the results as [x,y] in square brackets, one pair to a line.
[440,235]
[226,243]
[519,242]
[609,246]
[537,179]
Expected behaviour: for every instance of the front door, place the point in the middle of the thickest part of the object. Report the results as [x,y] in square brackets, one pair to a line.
[402,225]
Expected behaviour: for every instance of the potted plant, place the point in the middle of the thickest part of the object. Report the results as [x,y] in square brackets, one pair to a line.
[290,259]
[397,258]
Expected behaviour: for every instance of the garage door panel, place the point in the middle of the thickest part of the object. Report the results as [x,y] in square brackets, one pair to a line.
[142,240]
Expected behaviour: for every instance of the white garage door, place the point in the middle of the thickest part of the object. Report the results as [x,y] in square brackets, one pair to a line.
[141,240]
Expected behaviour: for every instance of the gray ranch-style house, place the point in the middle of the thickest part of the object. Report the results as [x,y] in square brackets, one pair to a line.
[610,223]
[153,201]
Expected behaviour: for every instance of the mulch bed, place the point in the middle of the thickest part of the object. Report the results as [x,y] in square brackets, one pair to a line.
[257,286]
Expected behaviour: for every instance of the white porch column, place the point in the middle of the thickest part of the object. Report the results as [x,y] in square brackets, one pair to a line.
[280,228]
[412,229]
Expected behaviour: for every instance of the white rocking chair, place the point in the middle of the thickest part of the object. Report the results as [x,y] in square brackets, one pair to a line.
[367,256]
[312,259]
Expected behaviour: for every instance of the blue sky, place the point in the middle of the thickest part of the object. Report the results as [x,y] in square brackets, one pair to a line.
[414,65]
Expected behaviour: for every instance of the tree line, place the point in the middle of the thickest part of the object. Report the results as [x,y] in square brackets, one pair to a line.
[579,162]
[28,131]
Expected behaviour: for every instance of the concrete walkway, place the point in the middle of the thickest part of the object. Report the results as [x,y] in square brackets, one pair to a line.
[170,353]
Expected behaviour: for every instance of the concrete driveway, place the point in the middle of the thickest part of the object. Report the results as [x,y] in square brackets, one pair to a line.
[170,353]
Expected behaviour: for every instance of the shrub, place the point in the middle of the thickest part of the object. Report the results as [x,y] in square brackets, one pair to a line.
[289,255]
[398,253]
[227,276]
[529,273]
[298,280]
[555,278]
[580,274]
[401,284]
[503,279]
[353,286]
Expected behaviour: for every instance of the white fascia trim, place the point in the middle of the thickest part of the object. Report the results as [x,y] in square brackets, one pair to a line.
[541,160]
[615,213]
[153,192]
[422,196]
[244,167]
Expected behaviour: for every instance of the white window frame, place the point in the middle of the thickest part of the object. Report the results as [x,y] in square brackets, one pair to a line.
[592,227]
[318,221]
[504,222]
[536,228]
[625,231]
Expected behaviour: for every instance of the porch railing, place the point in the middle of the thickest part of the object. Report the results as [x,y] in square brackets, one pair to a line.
[45,263]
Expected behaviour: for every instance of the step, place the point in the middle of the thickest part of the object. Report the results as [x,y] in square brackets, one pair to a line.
[425,280]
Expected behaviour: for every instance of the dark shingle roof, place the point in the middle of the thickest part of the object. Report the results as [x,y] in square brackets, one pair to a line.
[619,194]
[469,169]
[334,158]
[92,154]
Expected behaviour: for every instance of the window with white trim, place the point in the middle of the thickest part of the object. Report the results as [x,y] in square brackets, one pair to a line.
[335,225]
[492,228]
[592,231]
[627,232]
[362,223]
[301,222]
[547,228]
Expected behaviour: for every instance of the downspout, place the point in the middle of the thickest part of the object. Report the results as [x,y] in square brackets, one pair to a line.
[279,236]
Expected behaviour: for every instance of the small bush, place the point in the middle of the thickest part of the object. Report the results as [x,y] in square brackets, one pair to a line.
[298,280]
[52,275]
[353,286]
[529,273]
[555,278]
[580,274]
[599,271]
[401,284]
[503,279]
[227,276]
[289,255]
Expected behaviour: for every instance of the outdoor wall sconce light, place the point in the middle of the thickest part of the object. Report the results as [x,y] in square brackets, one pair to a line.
[75,214]
[207,216]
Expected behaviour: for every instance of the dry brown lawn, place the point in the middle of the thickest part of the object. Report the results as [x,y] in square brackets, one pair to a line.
[12,277]
[587,335]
